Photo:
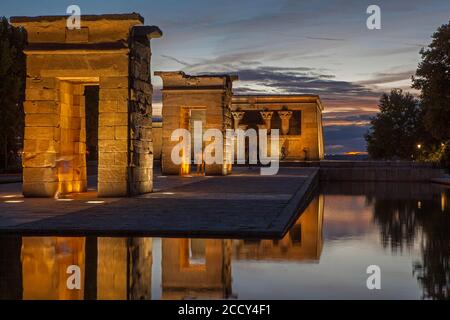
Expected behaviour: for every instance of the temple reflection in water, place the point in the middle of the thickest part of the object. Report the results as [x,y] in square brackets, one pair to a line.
[196,268]
[111,268]
[303,242]
[121,268]
[407,221]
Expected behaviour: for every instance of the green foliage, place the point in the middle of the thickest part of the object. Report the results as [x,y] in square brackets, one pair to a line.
[427,125]
[397,129]
[12,84]
[436,153]
[433,79]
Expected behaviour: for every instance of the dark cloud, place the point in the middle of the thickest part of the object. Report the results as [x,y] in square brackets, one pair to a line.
[340,139]
[346,119]
[176,60]
[325,39]
[293,80]
[303,81]
[225,62]
[388,77]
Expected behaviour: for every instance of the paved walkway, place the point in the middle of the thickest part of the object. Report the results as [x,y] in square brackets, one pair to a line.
[244,204]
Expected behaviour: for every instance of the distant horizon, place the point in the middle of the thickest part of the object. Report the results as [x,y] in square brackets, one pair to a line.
[285,47]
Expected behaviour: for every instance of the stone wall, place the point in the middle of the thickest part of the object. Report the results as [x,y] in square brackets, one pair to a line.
[378,171]
[113,136]
[375,171]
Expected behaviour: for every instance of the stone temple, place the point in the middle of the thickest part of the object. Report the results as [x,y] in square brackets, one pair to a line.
[113,53]
[209,98]
[297,117]
[194,98]
[89,92]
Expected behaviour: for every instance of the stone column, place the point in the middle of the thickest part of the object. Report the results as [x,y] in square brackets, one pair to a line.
[140,261]
[237,116]
[285,116]
[140,115]
[112,268]
[113,137]
[267,117]
[41,141]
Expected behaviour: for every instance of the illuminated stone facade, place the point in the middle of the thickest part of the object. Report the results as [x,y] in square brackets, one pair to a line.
[109,51]
[194,98]
[298,117]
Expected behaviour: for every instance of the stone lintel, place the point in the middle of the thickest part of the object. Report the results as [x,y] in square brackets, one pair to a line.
[77,48]
[96,32]
[258,101]
[196,89]
[92,17]
[178,80]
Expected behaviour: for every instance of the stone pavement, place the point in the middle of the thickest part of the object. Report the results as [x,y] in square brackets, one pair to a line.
[242,205]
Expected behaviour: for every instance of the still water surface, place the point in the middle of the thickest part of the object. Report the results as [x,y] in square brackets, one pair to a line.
[402,228]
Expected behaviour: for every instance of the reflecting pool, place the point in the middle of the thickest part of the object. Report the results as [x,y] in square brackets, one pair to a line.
[402,228]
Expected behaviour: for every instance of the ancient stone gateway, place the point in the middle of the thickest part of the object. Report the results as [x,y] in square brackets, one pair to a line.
[113,53]
[186,99]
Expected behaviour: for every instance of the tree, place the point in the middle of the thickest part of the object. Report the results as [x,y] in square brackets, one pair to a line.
[433,79]
[397,129]
[12,84]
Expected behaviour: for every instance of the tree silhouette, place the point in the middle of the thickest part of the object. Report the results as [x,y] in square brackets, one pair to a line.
[12,85]
[397,128]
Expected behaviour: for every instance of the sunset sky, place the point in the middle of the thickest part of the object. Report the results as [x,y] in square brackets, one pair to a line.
[284,46]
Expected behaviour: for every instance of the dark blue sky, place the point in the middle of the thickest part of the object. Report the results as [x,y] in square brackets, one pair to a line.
[285,46]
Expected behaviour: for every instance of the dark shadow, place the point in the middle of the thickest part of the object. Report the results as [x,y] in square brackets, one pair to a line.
[92,102]
[10,268]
